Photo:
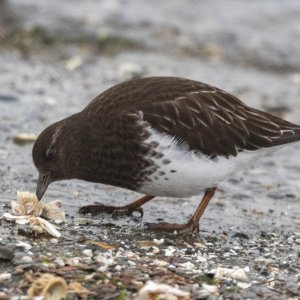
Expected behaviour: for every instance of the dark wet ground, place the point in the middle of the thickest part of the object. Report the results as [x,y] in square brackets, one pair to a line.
[55,57]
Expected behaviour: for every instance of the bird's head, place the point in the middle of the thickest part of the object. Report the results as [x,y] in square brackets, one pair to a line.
[47,154]
[55,153]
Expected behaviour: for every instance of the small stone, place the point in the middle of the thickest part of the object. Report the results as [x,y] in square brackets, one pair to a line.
[158,242]
[5,277]
[188,266]
[129,70]
[54,241]
[118,268]
[241,235]
[160,263]
[23,246]
[8,98]
[19,255]
[239,275]
[190,251]
[6,253]
[87,252]
[74,62]
[155,250]
[25,259]
[131,263]
[59,261]
[169,251]
[243,285]
[83,221]
[211,289]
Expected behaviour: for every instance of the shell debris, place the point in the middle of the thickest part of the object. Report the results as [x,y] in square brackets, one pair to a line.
[29,210]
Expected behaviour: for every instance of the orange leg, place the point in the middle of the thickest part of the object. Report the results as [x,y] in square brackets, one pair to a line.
[193,224]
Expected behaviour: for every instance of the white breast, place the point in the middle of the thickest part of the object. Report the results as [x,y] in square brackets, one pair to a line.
[182,173]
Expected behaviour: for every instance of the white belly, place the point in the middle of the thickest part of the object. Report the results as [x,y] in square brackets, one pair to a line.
[187,173]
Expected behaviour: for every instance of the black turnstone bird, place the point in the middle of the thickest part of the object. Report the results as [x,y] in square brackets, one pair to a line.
[160,136]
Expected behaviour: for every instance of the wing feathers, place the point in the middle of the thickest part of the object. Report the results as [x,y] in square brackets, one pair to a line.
[212,121]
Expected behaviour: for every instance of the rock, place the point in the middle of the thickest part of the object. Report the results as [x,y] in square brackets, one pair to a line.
[128,70]
[4,277]
[6,253]
[8,98]
[241,235]
[87,252]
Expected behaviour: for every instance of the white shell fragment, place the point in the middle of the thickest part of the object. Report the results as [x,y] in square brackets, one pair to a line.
[29,210]
[23,138]
[156,291]
[48,286]
[235,273]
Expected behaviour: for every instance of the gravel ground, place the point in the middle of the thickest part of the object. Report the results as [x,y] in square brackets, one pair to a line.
[55,57]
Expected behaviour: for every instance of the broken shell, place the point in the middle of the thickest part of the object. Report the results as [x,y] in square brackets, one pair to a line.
[45,226]
[28,209]
[156,291]
[53,211]
[27,204]
[49,286]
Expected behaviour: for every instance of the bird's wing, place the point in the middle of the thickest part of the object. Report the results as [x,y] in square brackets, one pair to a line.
[215,123]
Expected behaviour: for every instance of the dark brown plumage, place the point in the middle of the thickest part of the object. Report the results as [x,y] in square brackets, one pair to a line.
[110,140]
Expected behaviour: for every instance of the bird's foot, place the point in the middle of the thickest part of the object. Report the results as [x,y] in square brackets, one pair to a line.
[115,211]
[179,228]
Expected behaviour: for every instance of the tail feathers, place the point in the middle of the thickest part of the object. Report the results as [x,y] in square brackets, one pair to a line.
[288,136]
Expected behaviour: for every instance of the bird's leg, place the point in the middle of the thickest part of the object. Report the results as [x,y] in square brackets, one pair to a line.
[116,211]
[193,224]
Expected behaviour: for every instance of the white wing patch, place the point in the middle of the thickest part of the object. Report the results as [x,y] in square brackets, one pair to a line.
[184,173]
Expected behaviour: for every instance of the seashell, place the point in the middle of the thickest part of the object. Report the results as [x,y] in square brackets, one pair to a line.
[28,209]
[50,287]
[53,211]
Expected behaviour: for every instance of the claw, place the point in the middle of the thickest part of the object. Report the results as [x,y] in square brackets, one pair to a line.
[167,227]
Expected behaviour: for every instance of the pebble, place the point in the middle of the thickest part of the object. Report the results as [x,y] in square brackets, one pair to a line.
[54,241]
[25,259]
[131,263]
[8,98]
[23,246]
[129,70]
[158,242]
[170,251]
[211,289]
[87,252]
[19,254]
[118,268]
[237,274]
[243,285]
[188,266]
[83,221]
[60,261]
[6,253]
[5,277]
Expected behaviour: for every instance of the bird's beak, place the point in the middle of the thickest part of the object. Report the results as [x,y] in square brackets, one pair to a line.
[42,184]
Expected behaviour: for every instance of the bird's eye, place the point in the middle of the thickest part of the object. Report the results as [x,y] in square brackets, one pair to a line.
[50,153]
